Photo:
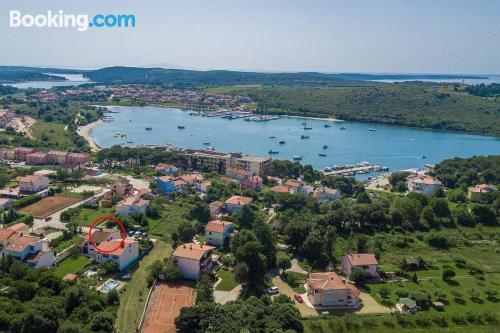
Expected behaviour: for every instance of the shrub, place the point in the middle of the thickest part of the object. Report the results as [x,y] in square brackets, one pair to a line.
[460,262]
[401,292]
[422,320]
[438,241]
[473,318]
[490,318]
[458,319]
[440,321]
[448,274]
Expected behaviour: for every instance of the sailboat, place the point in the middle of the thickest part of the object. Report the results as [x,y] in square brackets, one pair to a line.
[273,151]
[326,125]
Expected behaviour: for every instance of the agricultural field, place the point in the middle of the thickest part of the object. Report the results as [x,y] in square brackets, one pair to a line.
[48,206]
[172,214]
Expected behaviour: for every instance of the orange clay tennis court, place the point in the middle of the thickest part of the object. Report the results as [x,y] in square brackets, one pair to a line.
[165,305]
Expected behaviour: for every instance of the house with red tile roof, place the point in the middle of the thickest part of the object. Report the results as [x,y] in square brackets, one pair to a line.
[281,189]
[192,178]
[34,251]
[132,206]
[424,184]
[218,232]
[481,192]
[328,290]
[124,253]
[252,183]
[166,169]
[365,261]
[237,173]
[216,208]
[194,260]
[203,186]
[236,202]
[20,228]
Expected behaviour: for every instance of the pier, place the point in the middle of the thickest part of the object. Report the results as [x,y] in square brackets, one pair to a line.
[351,170]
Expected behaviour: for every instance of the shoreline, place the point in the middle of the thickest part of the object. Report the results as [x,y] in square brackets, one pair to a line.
[85,132]
[335,120]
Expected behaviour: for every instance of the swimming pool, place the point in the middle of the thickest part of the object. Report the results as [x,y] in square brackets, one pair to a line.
[109,285]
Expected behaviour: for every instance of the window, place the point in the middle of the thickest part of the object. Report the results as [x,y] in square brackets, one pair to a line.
[105,256]
[340,300]
[115,257]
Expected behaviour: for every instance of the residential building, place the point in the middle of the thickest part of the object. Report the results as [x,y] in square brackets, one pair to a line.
[218,232]
[166,169]
[20,228]
[237,173]
[166,184]
[33,184]
[220,162]
[6,154]
[37,159]
[252,183]
[57,157]
[481,192]
[6,236]
[30,249]
[77,158]
[122,187]
[21,153]
[5,117]
[124,256]
[6,203]
[424,184]
[194,260]
[325,194]
[364,261]
[216,208]
[132,206]
[282,189]
[236,202]
[328,290]
[255,165]
[203,186]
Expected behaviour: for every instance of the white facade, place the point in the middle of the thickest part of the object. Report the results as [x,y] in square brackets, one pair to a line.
[33,184]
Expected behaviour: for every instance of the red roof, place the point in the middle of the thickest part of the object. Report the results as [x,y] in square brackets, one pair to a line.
[281,189]
[6,234]
[362,259]
[329,281]
[192,251]
[217,226]
[21,243]
[112,244]
[239,200]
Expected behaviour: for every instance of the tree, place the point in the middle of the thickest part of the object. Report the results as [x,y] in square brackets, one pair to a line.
[384,292]
[359,276]
[185,232]
[251,254]
[41,316]
[283,261]
[448,274]
[102,322]
[245,217]
[154,271]
[241,273]
[171,272]
[112,297]
[204,290]
[200,212]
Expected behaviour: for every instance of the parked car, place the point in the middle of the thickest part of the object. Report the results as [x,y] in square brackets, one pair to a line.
[131,233]
[144,235]
[298,298]
[48,218]
[137,234]
[272,290]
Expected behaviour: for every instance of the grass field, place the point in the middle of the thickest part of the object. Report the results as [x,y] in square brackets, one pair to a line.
[52,135]
[65,244]
[86,216]
[48,206]
[133,295]
[227,280]
[71,264]
[173,214]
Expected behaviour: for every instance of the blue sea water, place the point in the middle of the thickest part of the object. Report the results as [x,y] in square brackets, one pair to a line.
[395,147]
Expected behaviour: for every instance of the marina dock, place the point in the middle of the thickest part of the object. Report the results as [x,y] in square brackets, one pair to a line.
[351,170]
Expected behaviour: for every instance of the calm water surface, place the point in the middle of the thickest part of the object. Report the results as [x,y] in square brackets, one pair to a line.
[395,147]
[72,80]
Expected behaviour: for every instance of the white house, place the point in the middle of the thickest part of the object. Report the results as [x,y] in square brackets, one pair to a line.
[33,183]
[30,249]
[124,253]
[132,206]
[194,259]
[328,290]
[166,169]
[364,261]
[217,232]
[424,184]
[236,202]
[325,194]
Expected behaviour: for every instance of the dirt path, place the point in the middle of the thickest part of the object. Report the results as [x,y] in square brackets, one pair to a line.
[23,125]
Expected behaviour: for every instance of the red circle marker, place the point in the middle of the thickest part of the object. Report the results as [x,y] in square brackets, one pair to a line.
[99,220]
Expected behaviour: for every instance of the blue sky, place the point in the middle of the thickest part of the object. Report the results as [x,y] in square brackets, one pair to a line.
[444,36]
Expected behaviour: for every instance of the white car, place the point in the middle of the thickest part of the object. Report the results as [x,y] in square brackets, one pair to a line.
[272,290]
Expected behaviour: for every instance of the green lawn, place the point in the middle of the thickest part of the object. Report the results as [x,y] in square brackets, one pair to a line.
[71,264]
[228,283]
[86,215]
[295,281]
[52,135]
[172,214]
[133,295]
[65,244]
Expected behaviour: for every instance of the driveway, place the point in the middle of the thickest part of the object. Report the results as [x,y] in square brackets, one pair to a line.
[285,289]
[295,267]
[222,297]
[370,305]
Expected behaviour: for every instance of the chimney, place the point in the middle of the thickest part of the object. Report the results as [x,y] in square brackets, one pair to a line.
[184,246]
[190,247]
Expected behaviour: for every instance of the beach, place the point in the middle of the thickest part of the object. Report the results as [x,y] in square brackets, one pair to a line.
[85,132]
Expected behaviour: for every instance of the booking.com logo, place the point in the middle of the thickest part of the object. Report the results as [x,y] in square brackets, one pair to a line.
[81,22]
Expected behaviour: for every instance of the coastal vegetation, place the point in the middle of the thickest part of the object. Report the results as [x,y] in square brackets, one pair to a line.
[435,106]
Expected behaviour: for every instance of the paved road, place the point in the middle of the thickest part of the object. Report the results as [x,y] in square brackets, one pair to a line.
[222,297]
[296,268]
